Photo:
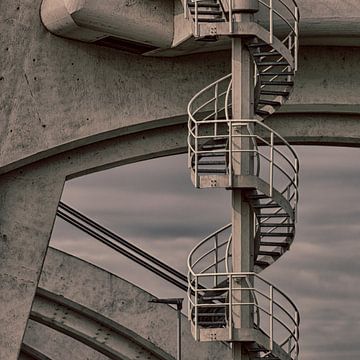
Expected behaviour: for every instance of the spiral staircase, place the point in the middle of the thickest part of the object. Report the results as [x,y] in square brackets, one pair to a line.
[215,292]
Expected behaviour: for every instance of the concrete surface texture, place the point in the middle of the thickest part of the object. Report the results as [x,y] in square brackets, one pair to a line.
[68,108]
[59,94]
[116,299]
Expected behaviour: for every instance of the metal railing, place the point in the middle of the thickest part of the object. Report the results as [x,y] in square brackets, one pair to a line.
[279,164]
[273,14]
[277,316]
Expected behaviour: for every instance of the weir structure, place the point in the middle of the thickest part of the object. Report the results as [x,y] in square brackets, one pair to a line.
[90,85]
[228,299]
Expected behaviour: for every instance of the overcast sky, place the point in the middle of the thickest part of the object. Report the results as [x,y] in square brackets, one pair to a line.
[154,205]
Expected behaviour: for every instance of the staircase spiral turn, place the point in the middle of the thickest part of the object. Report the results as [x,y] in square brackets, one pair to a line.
[271,189]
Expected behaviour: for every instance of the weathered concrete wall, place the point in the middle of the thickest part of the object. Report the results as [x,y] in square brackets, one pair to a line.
[28,203]
[58,94]
[97,290]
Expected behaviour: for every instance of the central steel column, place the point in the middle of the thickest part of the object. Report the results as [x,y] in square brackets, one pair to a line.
[242,164]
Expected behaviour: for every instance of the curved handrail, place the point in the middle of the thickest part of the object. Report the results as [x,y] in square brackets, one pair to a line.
[274,308]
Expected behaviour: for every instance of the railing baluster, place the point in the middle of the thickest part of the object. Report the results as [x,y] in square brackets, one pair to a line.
[197,337]
[271,21]
[231,24]
[230,307]
[196,18]
[296,37]
[216,108]
[216,259]
[271,163]
[271,295]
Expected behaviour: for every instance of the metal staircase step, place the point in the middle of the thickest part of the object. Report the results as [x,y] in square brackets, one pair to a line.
[204,4]
[276,225]
[211,171]
[206,12]
[275,234]
[274,215]
[261,263]
[214,297]
[211,20]
[201,314]
[278,73]
[277,83]
[274,244]
[275,93]
[269,102]
[267,53]
[273,63]
[262,112]
[211,163]
[256,45]
[209,154]
[266,206]
[275,254]
[257,196]
[212,323]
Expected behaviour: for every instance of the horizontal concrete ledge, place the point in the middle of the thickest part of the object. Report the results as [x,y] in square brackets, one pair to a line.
[328,126]
[78,143]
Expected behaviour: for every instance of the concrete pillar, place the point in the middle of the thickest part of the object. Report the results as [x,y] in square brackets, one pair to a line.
[242,163]
[28,203]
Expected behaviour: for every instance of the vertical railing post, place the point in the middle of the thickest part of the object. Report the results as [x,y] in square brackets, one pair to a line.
[231,25]
[230,307]
[185,9]
[196,154]
[230,152]
[216,108]
[216,259]
[271,163]
[296,186]
[290,44]
[196,18]
[271,20]
[271,295]
[297,334]
[196,310]
[296,36]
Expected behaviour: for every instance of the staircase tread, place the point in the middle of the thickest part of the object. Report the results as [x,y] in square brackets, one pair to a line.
[274,244]
[277,83]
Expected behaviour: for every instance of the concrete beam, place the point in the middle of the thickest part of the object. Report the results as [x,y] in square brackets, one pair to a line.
[28,352]
[57,345]
[63,275]
[28,203]
[91,328]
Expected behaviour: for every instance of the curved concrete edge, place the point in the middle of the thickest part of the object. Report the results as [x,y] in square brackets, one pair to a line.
[56,17]
[90,21]
[91,328]
[57,344]
[125,304]
[326,125]
[138,128]
[29,352]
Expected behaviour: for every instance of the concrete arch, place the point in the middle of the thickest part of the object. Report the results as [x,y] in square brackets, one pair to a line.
[62,278]
[57,345]
[30,353]
[91,328]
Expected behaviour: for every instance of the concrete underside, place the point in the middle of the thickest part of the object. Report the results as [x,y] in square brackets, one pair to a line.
[68,108]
